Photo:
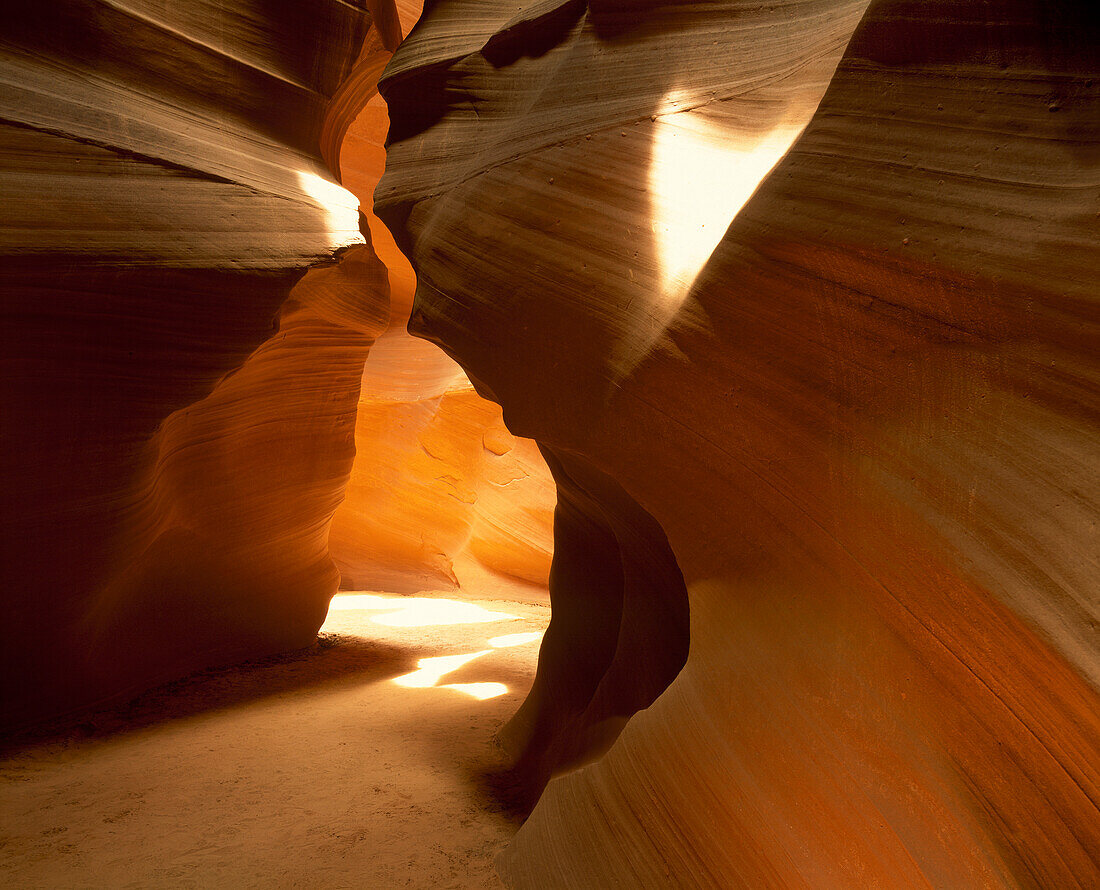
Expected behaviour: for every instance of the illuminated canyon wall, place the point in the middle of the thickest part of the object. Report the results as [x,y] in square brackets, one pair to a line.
[181,406]
[861,407]
[179,401]
[796,302]
[441,495]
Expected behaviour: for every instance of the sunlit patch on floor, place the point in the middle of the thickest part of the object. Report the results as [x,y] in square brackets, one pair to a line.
[353,757]
[480,691]
[356,612]
[430,670]
[417,611]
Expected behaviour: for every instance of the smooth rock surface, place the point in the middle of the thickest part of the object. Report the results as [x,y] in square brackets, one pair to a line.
[441,495]
[856,392]
[178,400]
[181,405]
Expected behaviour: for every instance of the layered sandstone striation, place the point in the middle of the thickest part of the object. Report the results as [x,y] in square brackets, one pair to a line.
[181,405]
[808,288]
[441,495]
[439,483]
[178,400]
[796,301]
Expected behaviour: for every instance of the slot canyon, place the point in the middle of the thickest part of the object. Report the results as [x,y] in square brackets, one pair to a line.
[550,444]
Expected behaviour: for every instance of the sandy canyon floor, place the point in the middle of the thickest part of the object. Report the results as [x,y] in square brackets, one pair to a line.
[360,763]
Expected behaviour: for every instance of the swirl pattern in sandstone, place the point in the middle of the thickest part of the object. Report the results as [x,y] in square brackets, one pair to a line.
[440,495]
[178,406]
[810,285]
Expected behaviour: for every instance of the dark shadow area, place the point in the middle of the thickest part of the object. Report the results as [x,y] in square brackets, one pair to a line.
[112,330]
[618,635]
[93,361]
[507,792]
[336,660]
[532,34]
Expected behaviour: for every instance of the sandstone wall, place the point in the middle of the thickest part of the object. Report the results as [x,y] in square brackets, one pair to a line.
[441,495]
[178,402]
[862,409]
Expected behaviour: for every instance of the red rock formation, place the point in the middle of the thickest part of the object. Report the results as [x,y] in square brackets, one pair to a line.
[178,406]
[439,480]
[180,409]
[441,494]
[864,415]
[811,351]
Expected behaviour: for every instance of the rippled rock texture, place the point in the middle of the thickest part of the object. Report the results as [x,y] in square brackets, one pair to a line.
[808,289]
[181,405]
[178,400]
[441,495]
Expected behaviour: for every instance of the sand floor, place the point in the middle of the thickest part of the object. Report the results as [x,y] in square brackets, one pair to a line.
[312,770]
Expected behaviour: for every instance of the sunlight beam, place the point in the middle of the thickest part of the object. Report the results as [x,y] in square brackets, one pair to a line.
[431,670]
[704,169]
[340,207]
[480,691]
[418,611]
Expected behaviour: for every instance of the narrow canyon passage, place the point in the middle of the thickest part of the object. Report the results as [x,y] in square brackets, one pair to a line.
[336,763]
[361,763]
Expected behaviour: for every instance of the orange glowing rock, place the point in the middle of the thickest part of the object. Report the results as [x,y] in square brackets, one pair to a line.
[182,406]
[438,479]
[178,399]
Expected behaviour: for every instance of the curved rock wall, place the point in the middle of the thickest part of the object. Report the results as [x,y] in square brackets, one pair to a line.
[441,495]
[440,491]
[861,407]
[180,405]
[178,402]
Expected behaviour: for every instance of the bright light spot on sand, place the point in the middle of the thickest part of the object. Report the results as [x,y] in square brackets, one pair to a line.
[341,206]
[355,601]
[418,611]
[480,691]
[422,611]
[431,670]
[514,640]
[704,169]
[430,611]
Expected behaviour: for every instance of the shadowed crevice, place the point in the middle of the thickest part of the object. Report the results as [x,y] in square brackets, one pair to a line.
[618,634]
